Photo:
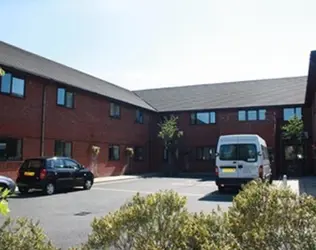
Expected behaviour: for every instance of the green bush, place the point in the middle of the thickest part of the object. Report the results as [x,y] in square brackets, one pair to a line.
[158,221]
[262,216]
[23,234]
[269,217]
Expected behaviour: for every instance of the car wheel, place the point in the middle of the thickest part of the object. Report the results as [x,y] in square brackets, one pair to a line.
[87,184]
[3,187]
[50,188]
[23,190]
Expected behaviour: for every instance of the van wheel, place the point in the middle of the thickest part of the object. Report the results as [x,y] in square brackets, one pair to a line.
[270,179]
[23,190]
[50,189]
[221,189]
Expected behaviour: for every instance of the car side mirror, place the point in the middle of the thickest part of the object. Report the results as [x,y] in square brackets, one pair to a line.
[259,153]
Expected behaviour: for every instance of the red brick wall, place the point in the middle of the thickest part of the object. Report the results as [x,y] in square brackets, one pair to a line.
[21,118]
[207,135]
[85,125]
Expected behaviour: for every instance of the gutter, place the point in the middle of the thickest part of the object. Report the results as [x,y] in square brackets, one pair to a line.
[43,121]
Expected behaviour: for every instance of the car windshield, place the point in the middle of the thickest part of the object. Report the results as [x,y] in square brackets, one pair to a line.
[235,152]
[34,163]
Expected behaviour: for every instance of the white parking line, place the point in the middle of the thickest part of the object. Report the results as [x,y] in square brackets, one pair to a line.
[144,192]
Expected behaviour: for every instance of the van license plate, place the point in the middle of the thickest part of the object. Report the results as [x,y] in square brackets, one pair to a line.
[229,170]
[29,173]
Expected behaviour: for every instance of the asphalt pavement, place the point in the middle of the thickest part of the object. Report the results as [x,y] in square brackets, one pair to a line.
[66,216]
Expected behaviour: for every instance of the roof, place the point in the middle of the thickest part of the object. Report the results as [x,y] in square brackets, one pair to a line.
[22,60]
[255,93]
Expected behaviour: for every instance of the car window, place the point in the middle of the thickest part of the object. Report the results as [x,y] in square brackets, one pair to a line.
[58,163]
[247,152]
[71,164]
[34,163]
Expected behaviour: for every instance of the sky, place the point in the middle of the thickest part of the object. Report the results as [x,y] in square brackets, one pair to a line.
[140,44]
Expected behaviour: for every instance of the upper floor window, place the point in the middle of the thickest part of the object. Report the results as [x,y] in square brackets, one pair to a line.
[115,110]
[114,152]
[10,149]
[289,113]
[65,98]
[139,116]
[203,118]
[252,115]
[12,85]
[63,148]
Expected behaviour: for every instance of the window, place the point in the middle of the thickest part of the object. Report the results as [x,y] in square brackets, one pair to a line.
[115,110]
[252,115]
[58,163]
[114,153]
[10,149]
[203,153]
[289,113]
[265,152]
[165,154]
[139,154]
[289,152]
[203,118]
[242,115]
[63,148]
[71,164]
[241,152]
[65,98]
[139,116]
[12,85]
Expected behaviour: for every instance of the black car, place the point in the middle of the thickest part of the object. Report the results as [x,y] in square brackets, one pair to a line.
[52,173]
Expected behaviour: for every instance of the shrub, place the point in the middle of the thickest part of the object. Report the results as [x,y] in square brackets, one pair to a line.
[269,217]
[23,234]
[158,221]
[4,208]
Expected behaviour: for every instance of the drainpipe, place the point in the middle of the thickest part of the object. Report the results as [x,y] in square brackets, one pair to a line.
[43,121]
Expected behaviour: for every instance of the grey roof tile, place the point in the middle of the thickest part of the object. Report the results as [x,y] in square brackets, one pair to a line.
[26,61]
[256,93]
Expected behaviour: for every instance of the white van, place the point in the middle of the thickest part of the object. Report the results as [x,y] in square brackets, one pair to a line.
[241,158]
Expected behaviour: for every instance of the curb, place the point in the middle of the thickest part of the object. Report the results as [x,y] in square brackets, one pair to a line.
[127,178]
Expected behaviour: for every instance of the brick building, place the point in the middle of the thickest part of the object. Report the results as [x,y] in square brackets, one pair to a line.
[47,108]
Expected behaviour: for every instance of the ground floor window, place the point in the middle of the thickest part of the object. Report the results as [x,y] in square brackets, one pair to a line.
[203,153]
[63,148]
[114,152]
[138,153]
[10,149]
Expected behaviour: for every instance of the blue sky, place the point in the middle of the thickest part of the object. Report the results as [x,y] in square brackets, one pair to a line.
[148,44]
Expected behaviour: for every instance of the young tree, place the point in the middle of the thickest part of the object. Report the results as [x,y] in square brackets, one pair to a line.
[170,134]
[293,132]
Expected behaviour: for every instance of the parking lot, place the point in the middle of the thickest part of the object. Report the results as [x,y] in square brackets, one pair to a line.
[66,217]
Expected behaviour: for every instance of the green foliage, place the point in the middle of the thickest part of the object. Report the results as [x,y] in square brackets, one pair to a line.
[153,222]
[261,217]
[2,72]
[23,234]
[4,208]
[293,129]
[269,217]
[169,131]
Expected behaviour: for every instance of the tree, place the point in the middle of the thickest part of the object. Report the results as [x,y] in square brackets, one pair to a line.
[170,134]
[293,132]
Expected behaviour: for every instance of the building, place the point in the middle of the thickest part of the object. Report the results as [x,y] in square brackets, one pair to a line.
[47,108]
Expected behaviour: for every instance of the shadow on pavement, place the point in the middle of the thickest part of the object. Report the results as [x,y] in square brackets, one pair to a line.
[226,196]
[39,193]
[307,185]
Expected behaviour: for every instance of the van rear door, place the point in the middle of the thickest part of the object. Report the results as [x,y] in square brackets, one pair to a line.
[248,160]
[228,161]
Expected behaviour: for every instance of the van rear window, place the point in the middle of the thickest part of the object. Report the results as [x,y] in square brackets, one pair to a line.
[238,152]
[36,163]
